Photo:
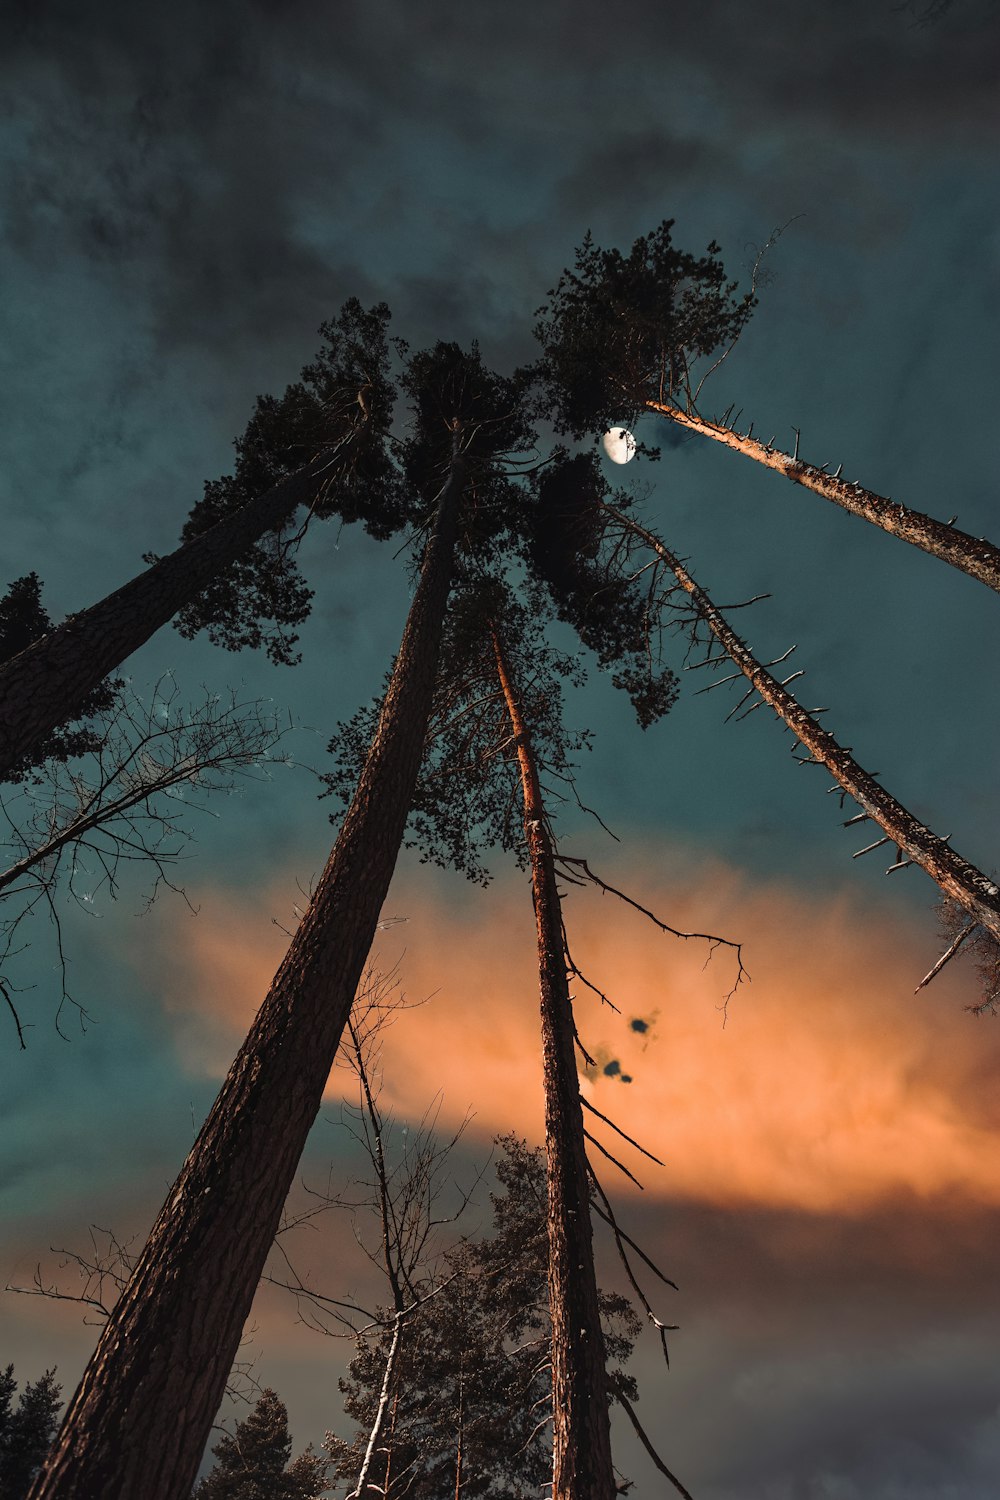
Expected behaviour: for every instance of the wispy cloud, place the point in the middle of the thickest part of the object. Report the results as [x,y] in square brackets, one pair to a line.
[828,1089]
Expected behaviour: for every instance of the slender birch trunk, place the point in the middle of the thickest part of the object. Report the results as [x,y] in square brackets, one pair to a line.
[389,1476]
[957,878]
[140,1419]
[383,1401]
[460,1436]
[973,555]
[44,683]
[582,1468]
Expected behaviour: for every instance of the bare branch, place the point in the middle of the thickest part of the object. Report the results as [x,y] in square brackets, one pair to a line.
[595,1111]
[72,831]
[644,1440]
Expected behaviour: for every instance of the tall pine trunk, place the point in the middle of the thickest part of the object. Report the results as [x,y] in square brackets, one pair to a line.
[956,877]
[973,555]
[41,686]
[140,1419]
[581,1460]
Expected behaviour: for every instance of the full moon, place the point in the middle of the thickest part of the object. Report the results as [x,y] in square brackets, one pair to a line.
[619,445]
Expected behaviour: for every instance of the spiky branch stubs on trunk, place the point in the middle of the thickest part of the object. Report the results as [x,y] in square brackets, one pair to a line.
[470,799]
[971,554]
[913,840]
[582,1468]
[143,1411]
[608,530]
[622,335]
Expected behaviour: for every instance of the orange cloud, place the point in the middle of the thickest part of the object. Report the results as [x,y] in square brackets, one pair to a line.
[829,1088]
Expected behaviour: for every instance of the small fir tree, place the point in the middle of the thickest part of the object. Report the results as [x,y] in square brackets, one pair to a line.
[26,1431]
[253,1463]
[470,1405]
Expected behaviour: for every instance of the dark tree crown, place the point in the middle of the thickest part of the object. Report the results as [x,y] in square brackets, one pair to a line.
[606,605]
[343,404]
[473,1361]
[620,330]
[453,393]
[24,620]
[26,1431]
[467,801]
[253,1463]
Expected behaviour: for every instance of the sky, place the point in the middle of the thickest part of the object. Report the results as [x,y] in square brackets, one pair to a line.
[185,195]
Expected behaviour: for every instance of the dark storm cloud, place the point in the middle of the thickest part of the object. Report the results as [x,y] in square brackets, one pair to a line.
[155,148]
[243,166]
[845,1357]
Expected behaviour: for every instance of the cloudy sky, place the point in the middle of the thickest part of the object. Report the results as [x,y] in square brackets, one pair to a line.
[185,194]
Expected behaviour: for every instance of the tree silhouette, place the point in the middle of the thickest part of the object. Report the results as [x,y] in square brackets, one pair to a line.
[24,620]
[625,334]
[470,1402]
[253,1462]
[495,728]
[25,1430]
[322,445]
[156,1378]
[587,548]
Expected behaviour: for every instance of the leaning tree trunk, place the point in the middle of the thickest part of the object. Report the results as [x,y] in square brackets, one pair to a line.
[956,877]
[140,1419]
[44,683]
[972,554]
[581,1461]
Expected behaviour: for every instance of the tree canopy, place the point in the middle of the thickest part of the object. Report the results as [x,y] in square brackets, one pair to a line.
[472,1382]
[620,329]
[26,1430]
[253,1463]
[24,620]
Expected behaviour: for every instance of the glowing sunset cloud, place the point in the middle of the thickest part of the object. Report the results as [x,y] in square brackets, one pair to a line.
[829,1087]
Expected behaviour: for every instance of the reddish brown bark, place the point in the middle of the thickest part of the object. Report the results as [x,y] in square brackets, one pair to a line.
[972,554]
[581,1431]
[955,876]
[140,1419]
[41,686]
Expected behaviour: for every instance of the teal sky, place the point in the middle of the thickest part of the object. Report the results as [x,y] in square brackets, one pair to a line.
[184,197]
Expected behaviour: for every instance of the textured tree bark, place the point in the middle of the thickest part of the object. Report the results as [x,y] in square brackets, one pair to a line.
[581,1430]
[140,1419]
[41,685]
[972,554]
[955,876]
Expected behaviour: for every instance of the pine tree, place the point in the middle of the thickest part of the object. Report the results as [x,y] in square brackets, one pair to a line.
[624,334]
[582,1467]
[470,1407]
[497,718]
[24,620]
[141,1416]
[586,548]
[8,1387]
[253,1463]
[26,1432]
[322,445]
